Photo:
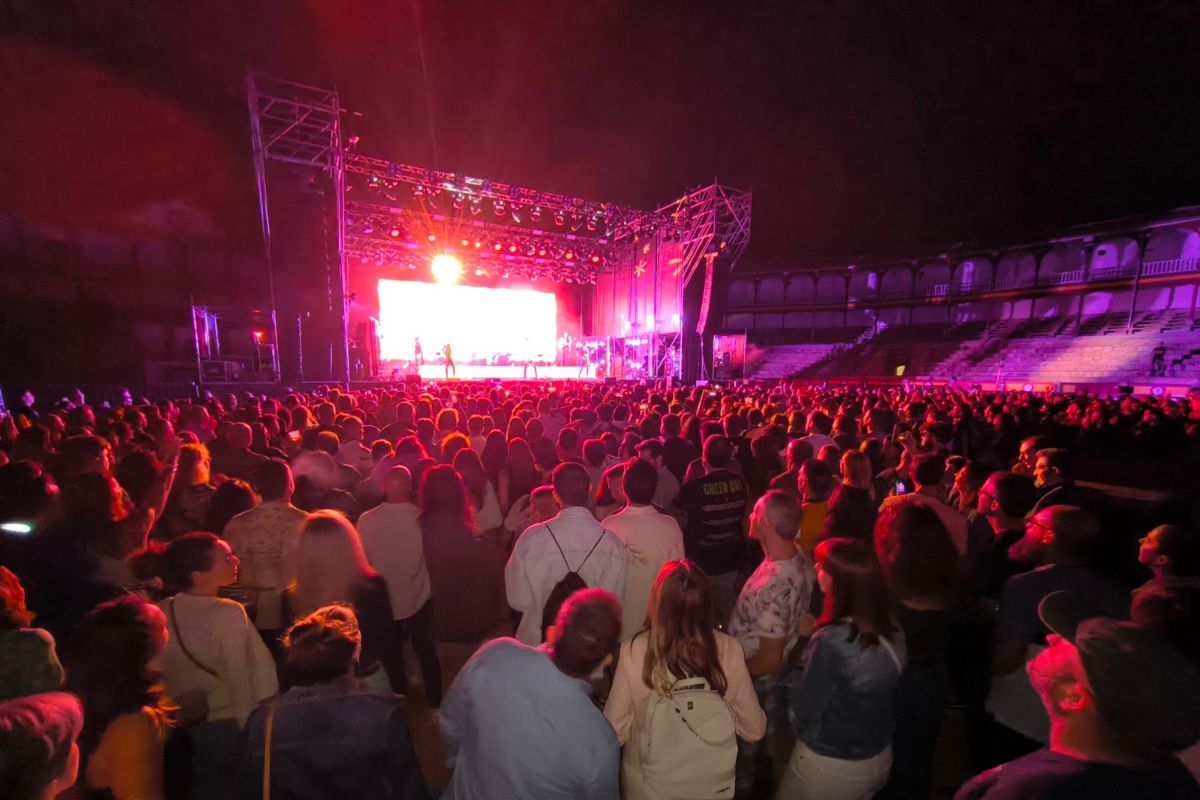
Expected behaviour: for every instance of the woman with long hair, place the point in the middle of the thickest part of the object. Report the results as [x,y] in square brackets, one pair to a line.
[457,558]
[328,730]
[920,566]
[494,456]
[191,494]
[482,495]
[852,509]
[680,640]
[843,704]
[520,475]
[332,568]
[126,715]
[215,664]
[231,498]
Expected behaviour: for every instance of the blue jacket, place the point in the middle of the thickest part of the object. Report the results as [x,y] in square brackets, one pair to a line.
[843,701]
[336,740]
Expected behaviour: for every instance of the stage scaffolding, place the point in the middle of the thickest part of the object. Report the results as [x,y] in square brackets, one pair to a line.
[395,210]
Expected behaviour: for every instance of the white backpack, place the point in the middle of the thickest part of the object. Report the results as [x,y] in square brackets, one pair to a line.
[688,744]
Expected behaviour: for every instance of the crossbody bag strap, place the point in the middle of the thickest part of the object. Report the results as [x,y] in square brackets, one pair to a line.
[891,651]
[182,646]
[266,778]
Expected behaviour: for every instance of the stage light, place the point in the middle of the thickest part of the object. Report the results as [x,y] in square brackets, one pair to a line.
[418,191]
[569,255]
[458,202]
[559,218]
[541,252]
[258,336]
[477,244]
[476,206]
[674,319]
[368,228]
[446,268]
[650,321]
[535,214]
[432,237]
[595,257]
[497,245]
[394,232]
[501,208]
[512,248]
[465,243]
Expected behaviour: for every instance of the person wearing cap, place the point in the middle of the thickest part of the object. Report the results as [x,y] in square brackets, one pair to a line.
[1121,702]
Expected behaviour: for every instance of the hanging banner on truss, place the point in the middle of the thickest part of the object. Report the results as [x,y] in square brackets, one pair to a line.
[706,298]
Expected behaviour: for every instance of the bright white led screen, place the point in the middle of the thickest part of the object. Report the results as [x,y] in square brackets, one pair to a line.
[477,322]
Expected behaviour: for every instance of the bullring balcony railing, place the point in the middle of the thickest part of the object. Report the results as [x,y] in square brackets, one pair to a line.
[1081,277]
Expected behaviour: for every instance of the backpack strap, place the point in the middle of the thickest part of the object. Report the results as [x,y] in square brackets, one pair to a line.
[564,555]
[560,550]
[891,651]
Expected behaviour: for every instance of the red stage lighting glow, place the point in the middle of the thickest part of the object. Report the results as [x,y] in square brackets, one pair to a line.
[432,237]
[465,242]
[258,336]
[498,246]
[512,248]
[569,255]
[477,244]
[394,232]
[595,258]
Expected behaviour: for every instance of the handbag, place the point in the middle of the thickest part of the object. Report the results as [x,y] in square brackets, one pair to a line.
[193,705]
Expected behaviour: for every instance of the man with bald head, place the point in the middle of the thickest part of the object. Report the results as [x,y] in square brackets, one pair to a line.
[391,539]
[237,460]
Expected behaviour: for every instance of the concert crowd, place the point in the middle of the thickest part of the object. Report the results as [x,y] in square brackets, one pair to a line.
[766,589]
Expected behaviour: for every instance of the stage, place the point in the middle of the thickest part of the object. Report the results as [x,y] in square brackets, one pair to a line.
[472,372]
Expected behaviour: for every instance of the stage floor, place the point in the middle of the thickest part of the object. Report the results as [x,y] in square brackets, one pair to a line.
[471,372]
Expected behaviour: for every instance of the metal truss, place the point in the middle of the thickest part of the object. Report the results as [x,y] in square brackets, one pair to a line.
[713,218]
[431,182]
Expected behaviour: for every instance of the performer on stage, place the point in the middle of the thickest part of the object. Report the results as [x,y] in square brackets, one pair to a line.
[449,361]
[418,356]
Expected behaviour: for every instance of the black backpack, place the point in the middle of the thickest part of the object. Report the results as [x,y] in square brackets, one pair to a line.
[568,585]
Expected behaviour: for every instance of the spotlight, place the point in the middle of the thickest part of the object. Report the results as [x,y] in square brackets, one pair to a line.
[497,245]
[476,206]
[465,243]
[501,208]
[368,228]
[512,248]
[674,319]
[535,214]
[541,252]
[559,218]
[569,255]
[394,232]
[446,268]
[432,237]
[595,257]
[458,202]
[418,191]
[477,244]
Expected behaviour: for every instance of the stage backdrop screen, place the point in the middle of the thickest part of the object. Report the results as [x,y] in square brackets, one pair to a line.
[479,323]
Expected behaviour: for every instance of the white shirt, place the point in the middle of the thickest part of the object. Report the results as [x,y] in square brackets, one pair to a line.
[356,455]
[536,564]
[489,517]
[391,538]
[218,635]
[265,539]
[651,539]
[668,489]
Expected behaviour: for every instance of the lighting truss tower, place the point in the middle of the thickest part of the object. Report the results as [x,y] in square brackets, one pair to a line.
[714,224]
[301,125]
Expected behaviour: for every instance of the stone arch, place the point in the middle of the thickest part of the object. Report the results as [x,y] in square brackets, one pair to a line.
[741,293]
[896,282]
[801,289]
[1112,257]
[972,275]
[831,287]
[930,276]
[1016,270]
[1167,244]
[1063,261]
[770,291]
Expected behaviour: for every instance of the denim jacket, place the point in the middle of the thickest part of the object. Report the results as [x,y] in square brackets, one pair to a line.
[334,740]
[843,701]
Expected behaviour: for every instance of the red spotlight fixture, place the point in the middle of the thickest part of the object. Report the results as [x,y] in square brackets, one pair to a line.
[595,257]
[465,243]
[258,336]
[497,245]
[569,255]
[512,248]
[432,237]
[394,232]
[541,252]
[477,244]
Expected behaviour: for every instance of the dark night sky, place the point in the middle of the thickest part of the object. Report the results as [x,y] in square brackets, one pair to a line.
[864,127]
